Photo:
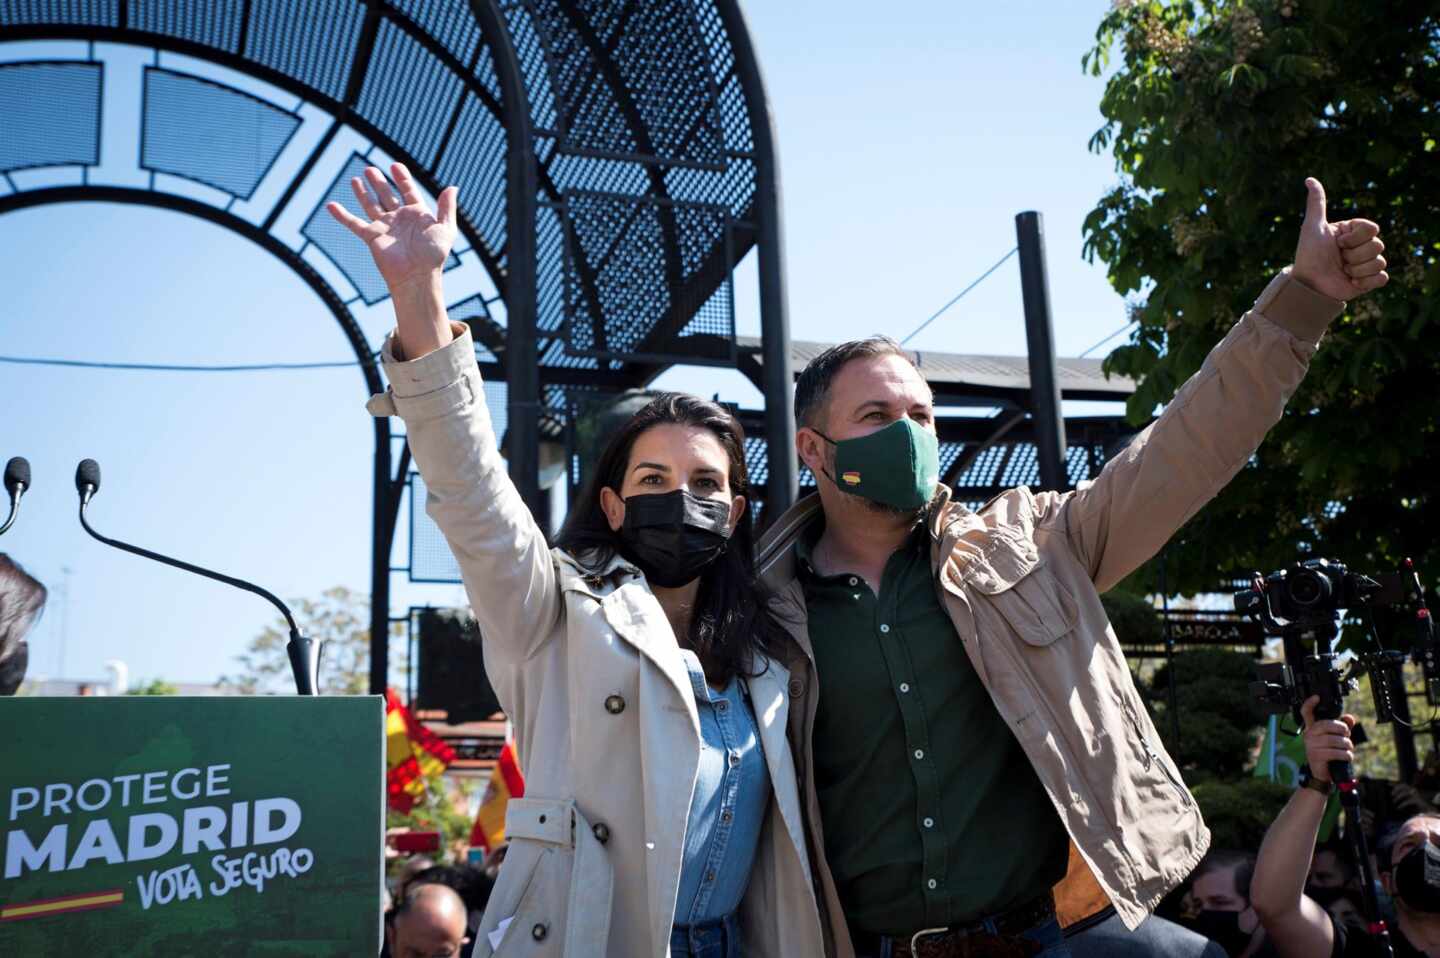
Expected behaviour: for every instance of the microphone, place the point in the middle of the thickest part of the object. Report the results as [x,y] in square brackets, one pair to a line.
[304,652]
[17,480]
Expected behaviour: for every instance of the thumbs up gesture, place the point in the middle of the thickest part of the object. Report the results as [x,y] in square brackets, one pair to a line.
[1341,260]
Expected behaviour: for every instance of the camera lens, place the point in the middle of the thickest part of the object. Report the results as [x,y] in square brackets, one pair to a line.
[1307,589]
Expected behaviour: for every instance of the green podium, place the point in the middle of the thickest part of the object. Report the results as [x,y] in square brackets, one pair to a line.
[191,826]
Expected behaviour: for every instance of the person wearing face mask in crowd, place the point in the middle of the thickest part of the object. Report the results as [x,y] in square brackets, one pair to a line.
[661,812]
[1221,887]
[1410,871]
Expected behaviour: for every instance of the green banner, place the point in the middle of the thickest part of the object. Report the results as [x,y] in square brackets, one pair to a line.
[191,826]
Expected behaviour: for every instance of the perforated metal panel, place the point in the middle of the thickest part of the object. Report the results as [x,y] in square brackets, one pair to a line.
[313,41]
[217,24]
[210,133]
[430,557]
[49,114]
[630,268]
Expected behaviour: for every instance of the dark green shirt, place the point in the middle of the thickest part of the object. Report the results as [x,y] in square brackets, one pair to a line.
[933,815]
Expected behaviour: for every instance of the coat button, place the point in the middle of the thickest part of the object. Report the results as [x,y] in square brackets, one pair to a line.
[539,931]
[594,581]
[796,687]
[602,832]
[614,704]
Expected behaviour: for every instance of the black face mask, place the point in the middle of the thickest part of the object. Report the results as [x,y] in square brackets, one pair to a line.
[1325,897]
[673,536]
[1223,928]
[1417,878]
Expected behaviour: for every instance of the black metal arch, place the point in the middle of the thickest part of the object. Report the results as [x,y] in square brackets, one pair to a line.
[631,140]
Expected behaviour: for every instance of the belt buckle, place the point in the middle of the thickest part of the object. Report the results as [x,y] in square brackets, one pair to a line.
[915,938]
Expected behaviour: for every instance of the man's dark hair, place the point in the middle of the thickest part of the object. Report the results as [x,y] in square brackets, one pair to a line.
[812,389]
[1217,860]
[21,599]
[469,882]
[1343,856]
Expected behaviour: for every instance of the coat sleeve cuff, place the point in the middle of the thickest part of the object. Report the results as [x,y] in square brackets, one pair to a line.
[1298,309]
[419,387]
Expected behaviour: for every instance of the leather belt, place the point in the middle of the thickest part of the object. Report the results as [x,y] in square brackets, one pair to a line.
[973,940]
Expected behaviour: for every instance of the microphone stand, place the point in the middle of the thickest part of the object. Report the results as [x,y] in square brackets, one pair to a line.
[303,651]
[17,480]
[14,511]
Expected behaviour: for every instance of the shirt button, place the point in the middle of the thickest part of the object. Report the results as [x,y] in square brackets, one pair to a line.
[884,627]
[614,704]
[929,823]
[904,686]
[727,816]
[721,706]
[709,876]
[734,759]
[932,884]
[919,754]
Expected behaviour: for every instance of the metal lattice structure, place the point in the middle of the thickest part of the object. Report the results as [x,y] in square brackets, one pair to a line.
[615,161]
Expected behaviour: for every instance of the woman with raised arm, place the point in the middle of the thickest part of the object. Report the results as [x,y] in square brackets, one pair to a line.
[661,813]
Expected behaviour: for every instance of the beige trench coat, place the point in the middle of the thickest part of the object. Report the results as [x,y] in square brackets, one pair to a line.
[1021,580]
[586,665]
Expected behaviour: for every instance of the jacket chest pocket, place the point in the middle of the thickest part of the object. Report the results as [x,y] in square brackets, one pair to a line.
[556,886]
[1014,583]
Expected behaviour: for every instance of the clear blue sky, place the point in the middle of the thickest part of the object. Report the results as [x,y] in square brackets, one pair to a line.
[908,141]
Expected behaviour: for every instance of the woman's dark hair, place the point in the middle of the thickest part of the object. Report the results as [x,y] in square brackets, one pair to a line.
[21,599]
[730,626]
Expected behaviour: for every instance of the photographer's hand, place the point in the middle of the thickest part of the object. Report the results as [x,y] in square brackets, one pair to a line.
[1341,260]
[1326,740]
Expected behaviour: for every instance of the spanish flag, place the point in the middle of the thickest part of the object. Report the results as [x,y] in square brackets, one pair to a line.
[506,783]
[411,752]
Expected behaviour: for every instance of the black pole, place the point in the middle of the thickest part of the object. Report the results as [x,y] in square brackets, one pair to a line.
[1040,341]
[778,369]
[382,537]
[522,367]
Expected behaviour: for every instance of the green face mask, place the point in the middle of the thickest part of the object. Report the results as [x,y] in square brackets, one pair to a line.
[897,466]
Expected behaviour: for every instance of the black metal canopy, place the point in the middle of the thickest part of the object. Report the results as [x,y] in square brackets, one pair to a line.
[615,162]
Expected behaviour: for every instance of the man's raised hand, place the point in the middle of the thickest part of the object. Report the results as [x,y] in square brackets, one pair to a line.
[1341,260]
[408,242]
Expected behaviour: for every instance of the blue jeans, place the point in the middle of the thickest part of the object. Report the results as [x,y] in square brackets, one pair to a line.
[1155,937]
[1046,934]
[711,939]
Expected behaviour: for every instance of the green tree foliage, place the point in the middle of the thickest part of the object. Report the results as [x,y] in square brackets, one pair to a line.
[443,808]
[1219,730]
[1239,812]
[1216,111]
[341,618]
[155,687]
[1219,733]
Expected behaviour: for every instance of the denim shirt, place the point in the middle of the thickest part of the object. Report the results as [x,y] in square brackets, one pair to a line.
[732,792]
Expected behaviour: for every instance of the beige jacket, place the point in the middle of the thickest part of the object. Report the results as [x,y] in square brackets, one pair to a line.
[1021,580]
[585,664]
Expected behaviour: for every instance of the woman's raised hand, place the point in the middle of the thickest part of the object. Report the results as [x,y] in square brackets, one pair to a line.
[408,242]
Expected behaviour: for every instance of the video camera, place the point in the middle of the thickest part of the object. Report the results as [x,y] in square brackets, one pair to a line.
[1301,606]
